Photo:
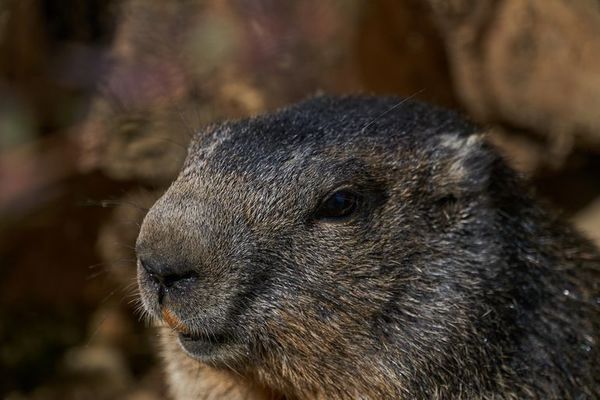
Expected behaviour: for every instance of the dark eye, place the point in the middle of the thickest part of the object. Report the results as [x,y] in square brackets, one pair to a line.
[339,204]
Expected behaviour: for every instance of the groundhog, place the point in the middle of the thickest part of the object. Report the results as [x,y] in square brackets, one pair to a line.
[365,248]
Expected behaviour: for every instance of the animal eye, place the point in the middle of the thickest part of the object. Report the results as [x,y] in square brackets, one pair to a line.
[339,204]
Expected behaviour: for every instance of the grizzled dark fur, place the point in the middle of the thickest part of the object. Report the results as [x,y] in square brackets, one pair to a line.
[446,281]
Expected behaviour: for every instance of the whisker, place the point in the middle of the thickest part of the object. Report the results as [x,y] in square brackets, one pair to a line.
[107,263]
[127,246]
[107,297]
[96,330]
[389,110]
[185,122]
[169,140]
[95,275]
[110,203]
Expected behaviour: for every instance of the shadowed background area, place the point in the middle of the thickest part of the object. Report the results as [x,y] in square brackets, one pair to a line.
[98,100]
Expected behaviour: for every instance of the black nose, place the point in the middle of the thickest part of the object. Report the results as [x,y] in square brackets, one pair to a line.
[167,275]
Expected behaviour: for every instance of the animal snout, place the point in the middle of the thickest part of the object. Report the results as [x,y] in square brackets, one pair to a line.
[167,275]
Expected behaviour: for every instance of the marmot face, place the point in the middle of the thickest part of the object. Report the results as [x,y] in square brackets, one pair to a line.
[343,235]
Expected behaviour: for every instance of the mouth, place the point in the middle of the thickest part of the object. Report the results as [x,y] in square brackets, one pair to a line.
[203,347]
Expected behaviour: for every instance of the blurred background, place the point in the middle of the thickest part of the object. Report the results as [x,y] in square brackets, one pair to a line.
[98,99]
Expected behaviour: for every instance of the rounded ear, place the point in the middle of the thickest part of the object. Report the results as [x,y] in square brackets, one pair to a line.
[463,162]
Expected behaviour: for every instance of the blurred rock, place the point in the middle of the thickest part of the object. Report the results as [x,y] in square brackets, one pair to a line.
[143,394]
[521,151]
[103,364]
[400,51]
[588,221]
[109,326]
[531,64]
[178,66]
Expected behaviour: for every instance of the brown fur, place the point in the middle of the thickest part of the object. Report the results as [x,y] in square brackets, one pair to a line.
[446,281]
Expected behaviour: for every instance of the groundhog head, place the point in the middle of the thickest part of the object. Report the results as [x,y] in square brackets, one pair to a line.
[335,237]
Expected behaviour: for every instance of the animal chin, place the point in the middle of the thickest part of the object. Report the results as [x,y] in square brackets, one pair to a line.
[201,346]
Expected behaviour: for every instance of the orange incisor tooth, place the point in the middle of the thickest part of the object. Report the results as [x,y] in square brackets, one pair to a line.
[174,322]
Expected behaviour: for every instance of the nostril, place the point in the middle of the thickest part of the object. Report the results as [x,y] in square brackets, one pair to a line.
[172,279]
[167,276]
[153,273]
